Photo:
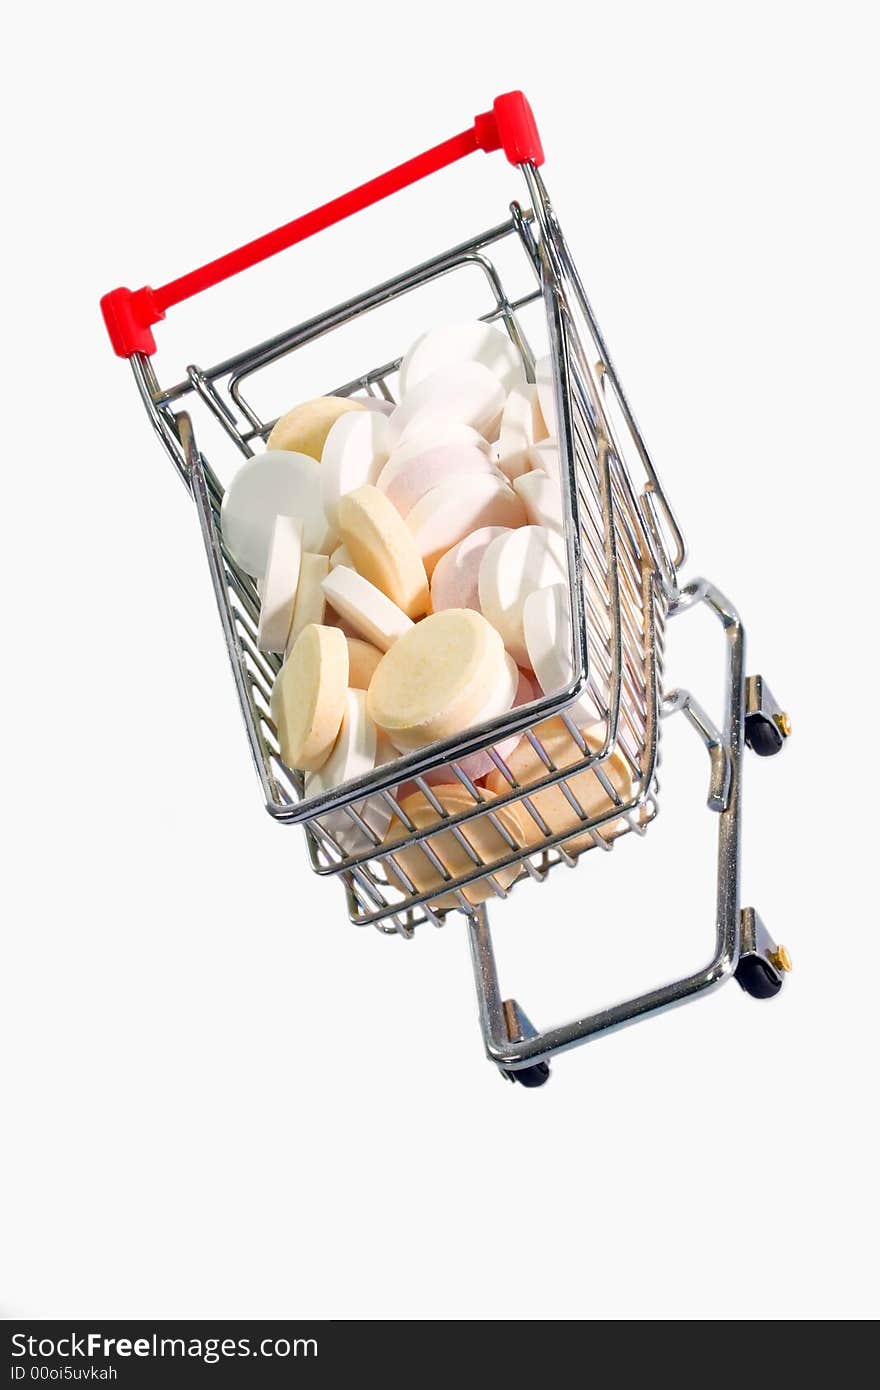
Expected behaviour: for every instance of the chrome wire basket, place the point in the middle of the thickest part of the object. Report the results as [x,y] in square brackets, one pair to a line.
[625,551]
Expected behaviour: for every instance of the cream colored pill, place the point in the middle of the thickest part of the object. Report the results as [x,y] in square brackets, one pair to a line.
[277,483]
[547,631]
[512,567]
[341,556]
[383,549]
[448,513]
[452,343]
[406,484]
[363,658]
[305,428]
[466,392]
[430,431]
[311,687]
[477,765]
[366,608]
[437,678]
[522,424]
[309,606]
[455,582]
[545,456]
[551,803]
[490,843]
[545,380]
[355,452]
[278,588]
[354,752]
[541,498]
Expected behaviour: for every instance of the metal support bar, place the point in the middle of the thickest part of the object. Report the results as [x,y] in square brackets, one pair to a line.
[524,1052]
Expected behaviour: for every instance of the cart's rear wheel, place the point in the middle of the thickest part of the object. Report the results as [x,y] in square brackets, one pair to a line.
[758,978]
[531,1076]
[763,736]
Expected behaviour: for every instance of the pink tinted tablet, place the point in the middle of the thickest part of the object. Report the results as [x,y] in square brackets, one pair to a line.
[407,483]
[456,579]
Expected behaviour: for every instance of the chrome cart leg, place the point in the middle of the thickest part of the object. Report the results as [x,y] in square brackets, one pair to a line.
[743,948]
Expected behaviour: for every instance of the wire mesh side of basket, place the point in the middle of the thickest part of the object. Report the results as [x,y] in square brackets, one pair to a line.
[617,604]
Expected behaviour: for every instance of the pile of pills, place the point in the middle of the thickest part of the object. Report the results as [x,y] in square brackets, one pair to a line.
[412,569]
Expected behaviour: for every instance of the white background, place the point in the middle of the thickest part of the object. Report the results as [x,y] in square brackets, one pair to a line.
[218,1097]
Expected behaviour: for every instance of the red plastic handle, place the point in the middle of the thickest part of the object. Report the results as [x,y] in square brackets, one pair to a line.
[510,125]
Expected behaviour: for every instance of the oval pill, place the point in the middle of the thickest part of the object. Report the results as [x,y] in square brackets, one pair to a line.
[541,498]
[437,678]
[383,549]
[365,607]
[279,586]
[363,658]
[276,483]
[449,512]
[304,429]
[309,606]
[551,803]
[466,392]
[488,841]
[311,694]
[512,567]
[405,484]
[547,631]
[355,452]
[452,343]
[455,582]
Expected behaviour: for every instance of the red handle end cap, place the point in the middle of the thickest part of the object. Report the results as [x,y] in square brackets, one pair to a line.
[129,316]
[510,126]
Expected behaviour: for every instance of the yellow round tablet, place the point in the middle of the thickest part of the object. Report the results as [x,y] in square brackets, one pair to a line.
[382,548]
[551,802]
[485,838]
[305,428]
[363,658]
[437,678]
[309,697]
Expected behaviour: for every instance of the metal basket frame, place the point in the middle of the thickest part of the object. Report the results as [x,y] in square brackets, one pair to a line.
[625,550]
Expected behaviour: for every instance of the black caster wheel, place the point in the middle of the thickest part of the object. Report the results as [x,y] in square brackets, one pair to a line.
[531,1076]
[767,725]
[763,736]
[758,978]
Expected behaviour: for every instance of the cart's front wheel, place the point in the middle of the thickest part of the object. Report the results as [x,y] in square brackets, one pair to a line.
[531,1076]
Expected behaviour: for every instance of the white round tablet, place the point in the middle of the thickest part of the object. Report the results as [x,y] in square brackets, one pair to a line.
[455,582]
[451,343]
[354,752]
[545,380]
[448,513]
[278,589]
[365,607]
[355,451]
[545,456]
[426,430]
[541,499]
[467,392]
[521,425]
[404,484]
[276,483]
[547,631]
[513,566]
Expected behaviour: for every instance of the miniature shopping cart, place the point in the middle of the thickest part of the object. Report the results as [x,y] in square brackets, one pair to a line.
[625,551]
